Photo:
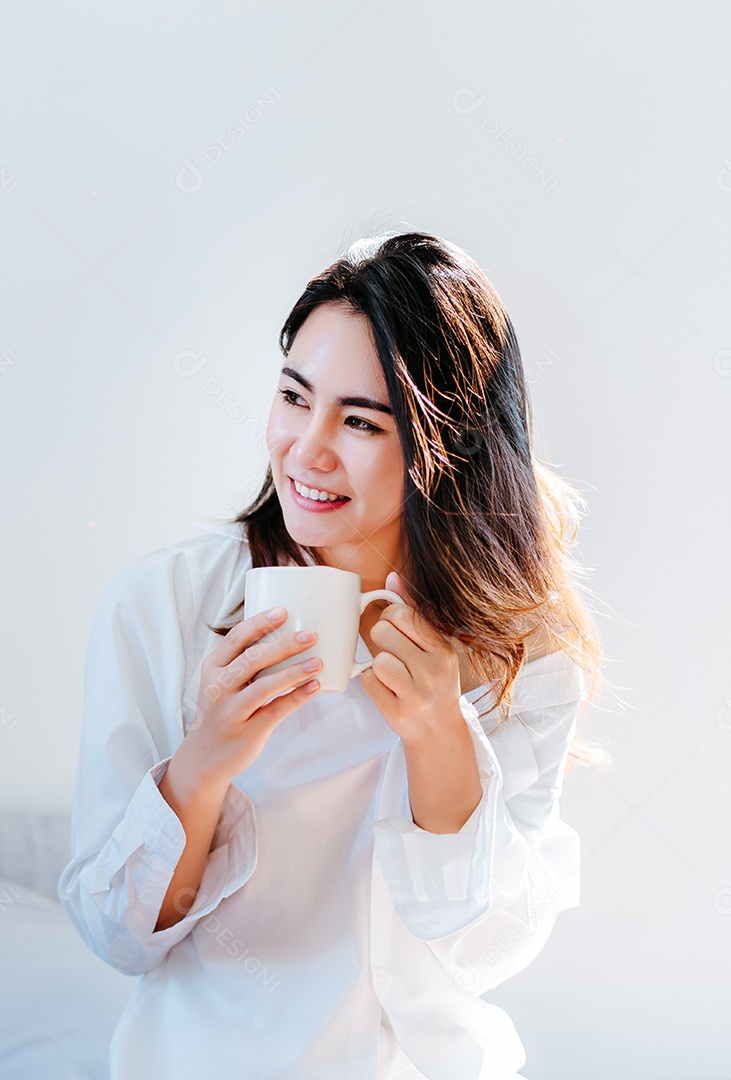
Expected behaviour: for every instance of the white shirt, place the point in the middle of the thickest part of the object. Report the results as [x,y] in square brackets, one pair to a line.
[331,937]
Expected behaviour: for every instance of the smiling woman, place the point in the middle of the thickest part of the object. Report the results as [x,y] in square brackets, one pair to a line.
[437,464]
[366,852]
[316,441]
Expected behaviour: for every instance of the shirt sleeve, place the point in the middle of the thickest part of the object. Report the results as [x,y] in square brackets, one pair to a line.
[485,899]
[126,839]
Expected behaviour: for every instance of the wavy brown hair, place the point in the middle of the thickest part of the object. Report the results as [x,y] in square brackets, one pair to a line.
[487,527]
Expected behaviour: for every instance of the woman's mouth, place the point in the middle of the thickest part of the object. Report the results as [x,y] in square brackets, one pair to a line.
[313,500]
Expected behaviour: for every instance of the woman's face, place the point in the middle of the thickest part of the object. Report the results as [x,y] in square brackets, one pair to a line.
[341,449]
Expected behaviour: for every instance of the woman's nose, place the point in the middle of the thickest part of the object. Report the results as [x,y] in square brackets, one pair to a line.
[314,447]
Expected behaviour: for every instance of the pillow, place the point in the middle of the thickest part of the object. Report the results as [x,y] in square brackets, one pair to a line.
[59,1003]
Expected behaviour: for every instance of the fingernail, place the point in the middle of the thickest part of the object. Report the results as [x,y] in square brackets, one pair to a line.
[275,613]
[306,635]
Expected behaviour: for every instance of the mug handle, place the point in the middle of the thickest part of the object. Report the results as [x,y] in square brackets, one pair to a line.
[365,600]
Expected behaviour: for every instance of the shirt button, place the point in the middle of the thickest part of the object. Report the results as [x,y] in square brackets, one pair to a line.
[378,973]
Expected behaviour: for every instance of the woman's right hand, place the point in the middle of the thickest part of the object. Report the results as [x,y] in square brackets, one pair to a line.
[233,720]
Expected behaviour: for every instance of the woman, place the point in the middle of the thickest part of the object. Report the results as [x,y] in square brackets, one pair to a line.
[327,885]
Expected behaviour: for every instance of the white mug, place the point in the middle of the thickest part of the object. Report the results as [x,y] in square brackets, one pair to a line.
[320,598]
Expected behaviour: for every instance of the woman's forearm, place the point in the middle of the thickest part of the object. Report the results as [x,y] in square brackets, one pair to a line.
[198,806]
[443,778]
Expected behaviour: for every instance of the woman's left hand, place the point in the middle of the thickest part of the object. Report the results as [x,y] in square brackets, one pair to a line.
[415,679]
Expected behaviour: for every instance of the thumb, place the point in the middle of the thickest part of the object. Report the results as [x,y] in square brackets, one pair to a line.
[395,584]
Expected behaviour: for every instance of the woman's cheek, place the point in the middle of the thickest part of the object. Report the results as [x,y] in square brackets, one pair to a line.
[276,434]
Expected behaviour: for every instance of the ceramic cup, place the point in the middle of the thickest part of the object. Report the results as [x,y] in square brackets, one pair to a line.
[321,598]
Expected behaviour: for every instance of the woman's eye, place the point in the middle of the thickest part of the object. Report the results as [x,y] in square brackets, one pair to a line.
[362,425]
[288,400]
[366,426]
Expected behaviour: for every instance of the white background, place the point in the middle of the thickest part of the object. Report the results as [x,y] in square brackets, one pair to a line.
[582,155]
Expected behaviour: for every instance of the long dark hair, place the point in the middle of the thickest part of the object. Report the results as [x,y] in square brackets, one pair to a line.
[487,527]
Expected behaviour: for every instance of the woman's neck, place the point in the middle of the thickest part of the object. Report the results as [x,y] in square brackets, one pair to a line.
[372,567]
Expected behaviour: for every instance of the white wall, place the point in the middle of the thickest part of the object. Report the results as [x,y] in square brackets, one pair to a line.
[605,230]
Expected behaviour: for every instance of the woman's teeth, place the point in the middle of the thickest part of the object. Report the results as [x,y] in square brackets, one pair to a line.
[315,495]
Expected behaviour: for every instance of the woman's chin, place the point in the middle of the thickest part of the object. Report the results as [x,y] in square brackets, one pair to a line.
[320,536]
[307,532]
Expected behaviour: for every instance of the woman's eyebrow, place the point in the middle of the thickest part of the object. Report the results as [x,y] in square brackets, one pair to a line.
[358,402]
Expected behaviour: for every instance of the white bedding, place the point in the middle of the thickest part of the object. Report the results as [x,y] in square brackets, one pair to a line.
[59,1004]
